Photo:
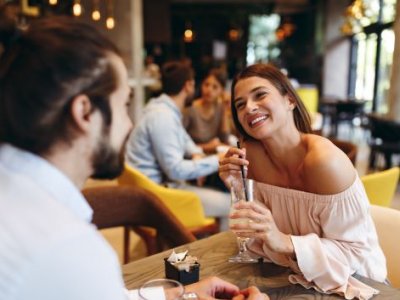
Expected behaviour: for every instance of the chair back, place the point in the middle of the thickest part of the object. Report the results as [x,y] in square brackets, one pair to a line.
[309,95]
[347,147]
[135,207]
[387,223]
[384,128]
[381,186]
[185,205]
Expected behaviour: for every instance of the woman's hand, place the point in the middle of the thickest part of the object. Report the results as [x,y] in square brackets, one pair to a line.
[261,226]
[230,166]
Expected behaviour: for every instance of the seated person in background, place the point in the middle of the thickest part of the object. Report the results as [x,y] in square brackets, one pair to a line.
[160,147]
[63,105]
[205,120]
[312,212]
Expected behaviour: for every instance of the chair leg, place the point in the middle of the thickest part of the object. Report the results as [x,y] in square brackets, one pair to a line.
[126,244]
[150,240]
[388,160]
[372,159]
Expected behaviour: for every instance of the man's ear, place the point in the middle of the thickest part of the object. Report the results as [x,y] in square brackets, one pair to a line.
[189,85]
[81,112]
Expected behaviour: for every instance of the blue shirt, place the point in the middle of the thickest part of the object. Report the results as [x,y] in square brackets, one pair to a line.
[48,250]
[160,147]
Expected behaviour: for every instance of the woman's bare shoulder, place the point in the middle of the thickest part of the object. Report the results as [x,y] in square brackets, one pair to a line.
[196,102]
[326,168]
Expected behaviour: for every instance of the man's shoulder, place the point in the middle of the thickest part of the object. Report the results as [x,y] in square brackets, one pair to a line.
[159,115]
[32,217]
[35,229]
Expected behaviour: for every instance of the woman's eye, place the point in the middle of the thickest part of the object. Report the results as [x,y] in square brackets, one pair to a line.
[260,95]
[239,105]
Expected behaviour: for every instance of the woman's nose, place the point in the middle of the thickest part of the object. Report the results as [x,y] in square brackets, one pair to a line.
[251,106]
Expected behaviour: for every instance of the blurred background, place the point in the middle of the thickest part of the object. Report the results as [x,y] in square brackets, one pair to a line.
[343,49]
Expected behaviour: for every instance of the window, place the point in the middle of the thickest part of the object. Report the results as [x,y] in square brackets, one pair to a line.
[371,66]
[262,45]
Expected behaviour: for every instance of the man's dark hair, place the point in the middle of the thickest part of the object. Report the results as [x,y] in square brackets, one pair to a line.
[41,70]
[174,74]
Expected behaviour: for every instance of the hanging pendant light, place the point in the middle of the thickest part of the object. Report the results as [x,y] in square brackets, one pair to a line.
[188,34]
[110,21]
[96,15]
[77,8]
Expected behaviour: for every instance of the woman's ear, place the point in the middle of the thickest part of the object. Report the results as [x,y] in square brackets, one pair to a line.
[81,112]
[291,104]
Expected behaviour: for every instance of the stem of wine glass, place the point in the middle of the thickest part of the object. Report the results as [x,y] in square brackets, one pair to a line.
[242,244]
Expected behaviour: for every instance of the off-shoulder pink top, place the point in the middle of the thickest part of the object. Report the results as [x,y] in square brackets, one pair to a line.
[333,237]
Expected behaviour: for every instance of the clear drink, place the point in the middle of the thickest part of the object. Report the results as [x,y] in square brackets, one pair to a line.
[238,221]
[237,194]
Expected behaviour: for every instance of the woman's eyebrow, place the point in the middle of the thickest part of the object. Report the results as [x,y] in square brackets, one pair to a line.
[251,92]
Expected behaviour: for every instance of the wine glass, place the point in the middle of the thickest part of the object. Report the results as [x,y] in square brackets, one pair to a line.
[240,192]
[172,289]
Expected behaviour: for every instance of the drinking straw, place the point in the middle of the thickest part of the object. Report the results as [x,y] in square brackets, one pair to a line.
[243,177]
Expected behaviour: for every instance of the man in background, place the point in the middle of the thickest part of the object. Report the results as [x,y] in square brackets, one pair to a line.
[160,147]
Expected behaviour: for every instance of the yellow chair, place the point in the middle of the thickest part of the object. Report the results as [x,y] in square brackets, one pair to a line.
[185,205]
[381,186]
[309,96]
[387,223]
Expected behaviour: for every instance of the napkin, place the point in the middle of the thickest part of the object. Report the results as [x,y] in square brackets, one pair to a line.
[182,261]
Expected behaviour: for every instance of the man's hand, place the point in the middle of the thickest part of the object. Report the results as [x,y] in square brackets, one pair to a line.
[251,293]
[212,288]
[200,181]
[197,156]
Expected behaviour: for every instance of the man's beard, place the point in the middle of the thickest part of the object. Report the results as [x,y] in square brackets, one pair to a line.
[107,162]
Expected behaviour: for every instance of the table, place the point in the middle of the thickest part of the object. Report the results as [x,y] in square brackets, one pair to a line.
[213,252]
[342,110]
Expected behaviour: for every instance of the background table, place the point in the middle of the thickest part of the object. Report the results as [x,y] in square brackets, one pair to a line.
[213,253]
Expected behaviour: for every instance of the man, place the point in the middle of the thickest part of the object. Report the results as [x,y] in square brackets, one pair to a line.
[160,147]
[63,118]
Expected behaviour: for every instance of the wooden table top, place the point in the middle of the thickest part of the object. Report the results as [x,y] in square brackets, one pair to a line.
[213,253]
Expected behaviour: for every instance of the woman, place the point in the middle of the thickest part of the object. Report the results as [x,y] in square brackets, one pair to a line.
[312,213]
[205,120]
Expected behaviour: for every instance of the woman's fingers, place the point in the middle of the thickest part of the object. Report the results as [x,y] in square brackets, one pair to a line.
[259,218]
[233,160]
[236,151]
[254,206]
[230,166]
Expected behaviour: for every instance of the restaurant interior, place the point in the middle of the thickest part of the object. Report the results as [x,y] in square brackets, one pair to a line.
[341,56]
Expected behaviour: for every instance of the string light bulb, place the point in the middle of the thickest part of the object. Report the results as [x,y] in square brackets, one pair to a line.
[53,2]
[188,34]
[110,23]
[234,34]
[96,15]
[77,8]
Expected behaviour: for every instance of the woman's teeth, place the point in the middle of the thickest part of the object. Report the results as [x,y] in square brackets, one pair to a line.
[258,119]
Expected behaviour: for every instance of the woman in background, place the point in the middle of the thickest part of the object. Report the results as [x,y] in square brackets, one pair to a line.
[312,212]
[205,120]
